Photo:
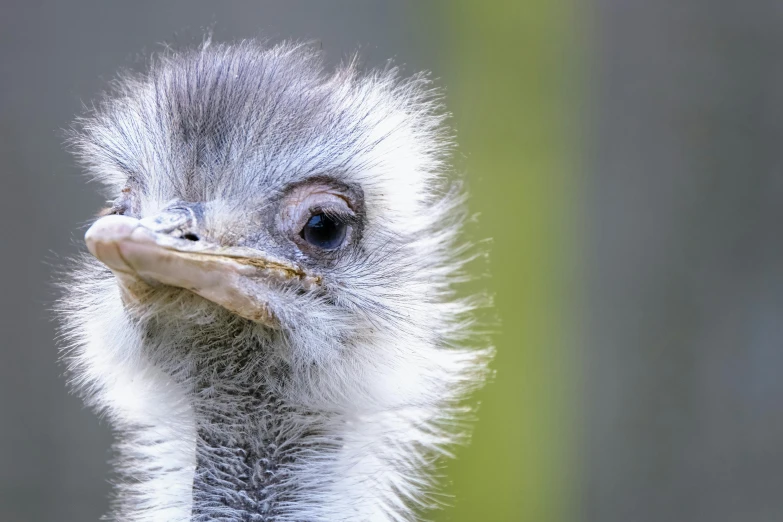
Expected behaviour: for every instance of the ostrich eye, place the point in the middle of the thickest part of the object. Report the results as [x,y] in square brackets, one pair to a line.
[322,217]
[324,231]
[122,206]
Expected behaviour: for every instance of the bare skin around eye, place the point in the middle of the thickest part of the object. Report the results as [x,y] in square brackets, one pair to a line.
[307,199]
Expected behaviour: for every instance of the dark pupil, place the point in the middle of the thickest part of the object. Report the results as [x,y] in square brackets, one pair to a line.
[324,232]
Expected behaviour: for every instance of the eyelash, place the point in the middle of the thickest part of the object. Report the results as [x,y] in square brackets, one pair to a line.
[338,214]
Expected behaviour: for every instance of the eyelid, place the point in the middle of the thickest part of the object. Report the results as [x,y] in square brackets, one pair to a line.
[342,214]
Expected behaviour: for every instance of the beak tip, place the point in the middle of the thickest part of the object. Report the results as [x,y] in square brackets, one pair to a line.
[108,230]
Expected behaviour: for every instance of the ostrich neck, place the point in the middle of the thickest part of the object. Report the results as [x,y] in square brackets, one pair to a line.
[249,452]
[244,457]
[211,426]
[250,445]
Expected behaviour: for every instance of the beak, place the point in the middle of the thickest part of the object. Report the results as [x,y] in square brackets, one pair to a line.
[148,252]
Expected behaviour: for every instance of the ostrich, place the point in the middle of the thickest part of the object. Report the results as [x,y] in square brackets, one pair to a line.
[268,319]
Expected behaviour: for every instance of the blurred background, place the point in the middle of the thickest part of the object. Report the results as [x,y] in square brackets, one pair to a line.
[624,156]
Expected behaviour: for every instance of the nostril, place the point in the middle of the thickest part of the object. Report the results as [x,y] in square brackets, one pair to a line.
[190,236]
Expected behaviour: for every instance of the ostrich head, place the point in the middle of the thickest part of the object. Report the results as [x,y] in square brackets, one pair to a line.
[269,320]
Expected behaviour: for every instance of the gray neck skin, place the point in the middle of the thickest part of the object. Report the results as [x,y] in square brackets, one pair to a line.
[242,461]
[250,442]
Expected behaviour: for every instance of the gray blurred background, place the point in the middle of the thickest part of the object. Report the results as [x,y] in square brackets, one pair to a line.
[685,263]
[673,405]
